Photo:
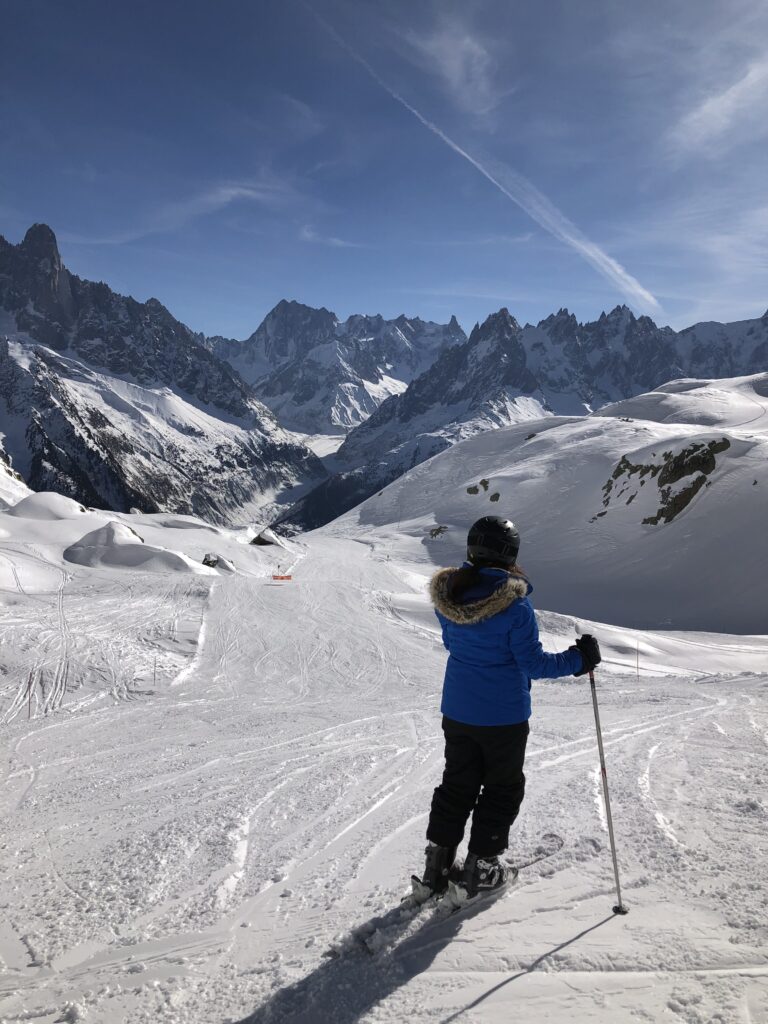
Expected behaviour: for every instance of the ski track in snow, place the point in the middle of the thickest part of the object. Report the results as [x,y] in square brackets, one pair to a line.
[229,777]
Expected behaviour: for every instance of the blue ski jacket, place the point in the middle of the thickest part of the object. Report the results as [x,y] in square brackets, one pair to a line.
[492,638]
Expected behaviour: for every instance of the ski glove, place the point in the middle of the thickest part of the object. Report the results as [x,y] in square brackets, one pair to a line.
[589,649]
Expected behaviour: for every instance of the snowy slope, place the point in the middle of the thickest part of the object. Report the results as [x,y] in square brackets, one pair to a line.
[505,373]
[733,402]
[225,774]
[117,444]
[644,522]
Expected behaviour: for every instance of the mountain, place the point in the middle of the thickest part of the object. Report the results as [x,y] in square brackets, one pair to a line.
[116,403]
[647,514]
[322,375]
[12,487]
[505,374]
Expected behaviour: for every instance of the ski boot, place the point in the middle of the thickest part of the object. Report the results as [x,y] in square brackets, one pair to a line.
[437,872]
[483,875]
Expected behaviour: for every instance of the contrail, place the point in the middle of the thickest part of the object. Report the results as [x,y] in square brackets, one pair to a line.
[515,187]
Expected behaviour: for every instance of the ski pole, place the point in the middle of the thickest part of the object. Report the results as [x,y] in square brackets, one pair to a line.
[619,908]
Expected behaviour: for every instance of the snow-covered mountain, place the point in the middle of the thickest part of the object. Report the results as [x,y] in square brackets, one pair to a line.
[505,374]
[322,375]
[630,515]
[12,486]
[117,404]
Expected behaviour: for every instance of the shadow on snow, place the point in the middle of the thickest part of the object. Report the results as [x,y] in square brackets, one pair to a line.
[344,990]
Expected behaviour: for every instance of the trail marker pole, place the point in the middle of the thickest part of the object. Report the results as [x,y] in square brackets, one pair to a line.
[619,908]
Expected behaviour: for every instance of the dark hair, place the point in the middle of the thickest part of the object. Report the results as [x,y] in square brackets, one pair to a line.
[469,576]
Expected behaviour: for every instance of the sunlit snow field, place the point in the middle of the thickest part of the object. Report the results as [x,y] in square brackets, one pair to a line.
[210,777]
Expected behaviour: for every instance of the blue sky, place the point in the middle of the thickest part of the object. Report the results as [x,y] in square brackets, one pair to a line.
[420,156]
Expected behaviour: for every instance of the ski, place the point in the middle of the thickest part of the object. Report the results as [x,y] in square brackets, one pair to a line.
[385,929]
[457,898]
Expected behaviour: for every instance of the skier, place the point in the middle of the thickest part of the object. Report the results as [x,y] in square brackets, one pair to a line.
[490,631]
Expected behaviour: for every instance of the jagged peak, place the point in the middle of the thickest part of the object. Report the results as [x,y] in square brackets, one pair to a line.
[563,315]
[500,324]
[620,312]
[404,319]
[647,321]
[502,319]
[293,305]
[40,243]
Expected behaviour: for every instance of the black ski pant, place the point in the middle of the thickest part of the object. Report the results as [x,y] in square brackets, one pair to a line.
[483,777]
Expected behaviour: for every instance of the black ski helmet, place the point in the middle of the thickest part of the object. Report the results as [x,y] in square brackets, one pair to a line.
[493,539]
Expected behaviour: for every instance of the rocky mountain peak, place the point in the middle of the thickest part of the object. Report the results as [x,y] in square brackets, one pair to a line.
[39,243]
[34,273]
[407,323]
[501,325]
[320,374]
[290,328]
[79,433]
[618,315]
[560,321]
[289,312]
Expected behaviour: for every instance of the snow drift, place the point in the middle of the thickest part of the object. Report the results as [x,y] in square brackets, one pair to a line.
[46,506]
[119,547]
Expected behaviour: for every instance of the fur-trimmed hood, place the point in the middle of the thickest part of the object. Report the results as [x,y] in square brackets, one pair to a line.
[508,591]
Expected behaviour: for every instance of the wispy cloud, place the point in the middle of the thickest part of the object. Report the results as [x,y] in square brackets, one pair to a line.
[477,240]
[304,121]
[738,108]
[176,214]
[309,234]
[517,188]
[710,249]
[462,62]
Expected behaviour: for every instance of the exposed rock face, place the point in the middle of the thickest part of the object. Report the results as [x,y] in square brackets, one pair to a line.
[321,375]
[116,403]
[484,381]
[690,466]
[506,373]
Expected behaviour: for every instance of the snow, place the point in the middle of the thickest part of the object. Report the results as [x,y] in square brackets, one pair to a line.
[321,444]
[12,487]
[120,547]
[208,780]
[594,551]
[735,402]
[46,506]
[147,428]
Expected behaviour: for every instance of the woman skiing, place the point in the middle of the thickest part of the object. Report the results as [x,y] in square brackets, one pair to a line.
[490,631]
